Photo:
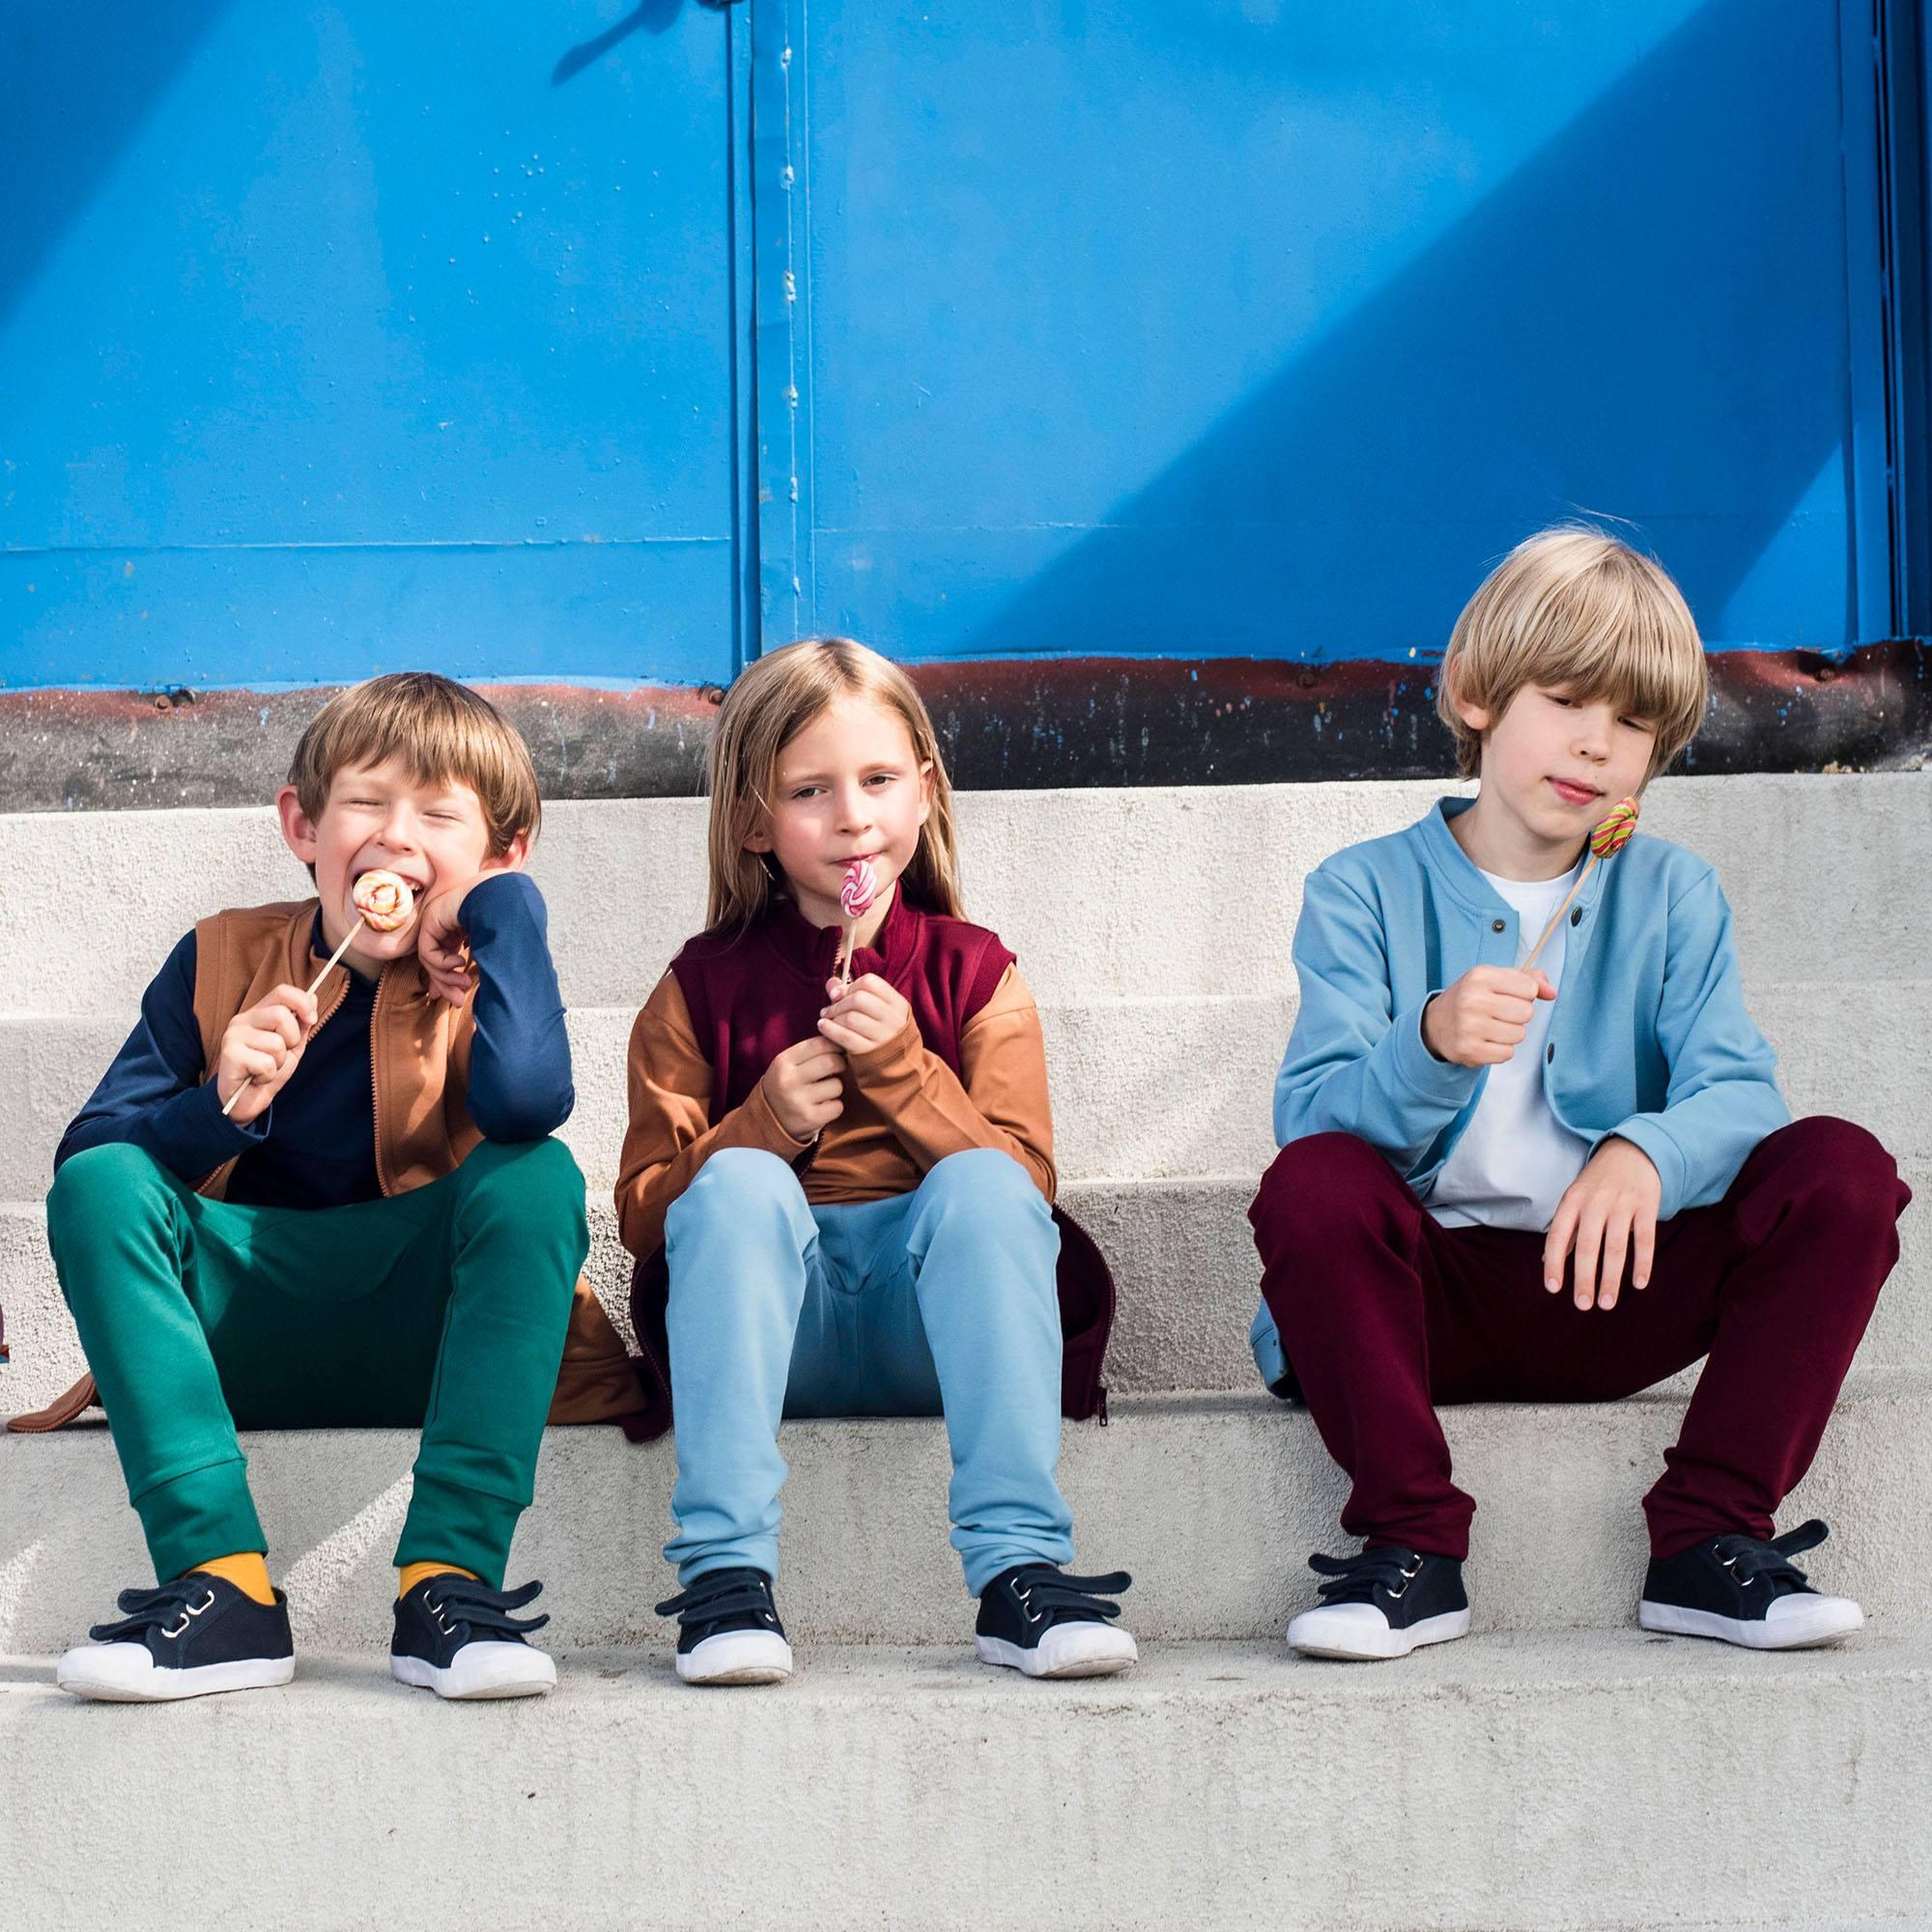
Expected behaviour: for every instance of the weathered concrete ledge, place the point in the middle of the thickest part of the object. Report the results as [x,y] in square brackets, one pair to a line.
[1593,1783]
[1027,723]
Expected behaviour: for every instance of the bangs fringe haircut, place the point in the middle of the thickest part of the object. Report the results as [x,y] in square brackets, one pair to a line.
[438,731]
[774,699]
[1575,607]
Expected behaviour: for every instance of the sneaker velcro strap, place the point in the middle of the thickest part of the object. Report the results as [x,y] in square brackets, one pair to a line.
[453,1600]
[720,1594]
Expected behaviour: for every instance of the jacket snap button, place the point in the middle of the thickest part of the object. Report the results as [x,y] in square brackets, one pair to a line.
[1549,1055]
[1576,916]
[1498,925]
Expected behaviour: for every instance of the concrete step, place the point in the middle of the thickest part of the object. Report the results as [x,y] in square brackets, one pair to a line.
[1603,1783]
[1213,1503]
[1105,893]
[1142,1089]
[1181,1251]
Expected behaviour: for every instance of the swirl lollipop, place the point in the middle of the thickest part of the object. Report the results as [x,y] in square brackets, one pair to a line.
[856,895]
[1612,834]
[384,902]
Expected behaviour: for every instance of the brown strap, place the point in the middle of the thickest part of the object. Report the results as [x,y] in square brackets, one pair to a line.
[58,1413]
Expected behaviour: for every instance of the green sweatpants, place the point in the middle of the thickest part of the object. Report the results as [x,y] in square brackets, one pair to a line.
[442,1309]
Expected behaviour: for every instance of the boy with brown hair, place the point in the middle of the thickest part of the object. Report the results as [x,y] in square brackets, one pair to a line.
[289,1210]
[1460,1132]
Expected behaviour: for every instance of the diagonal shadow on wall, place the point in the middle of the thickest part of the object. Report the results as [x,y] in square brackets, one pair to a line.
[1591,336]
[76,82]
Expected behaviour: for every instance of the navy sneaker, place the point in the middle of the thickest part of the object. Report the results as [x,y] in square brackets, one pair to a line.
[728,1629]
[185,1639]
[1034,1619]
[1745,1589]
[1382,1603]
[456,1636]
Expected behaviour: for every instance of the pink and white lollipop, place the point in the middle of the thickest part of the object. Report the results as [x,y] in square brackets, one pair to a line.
[860,888]
[856,895]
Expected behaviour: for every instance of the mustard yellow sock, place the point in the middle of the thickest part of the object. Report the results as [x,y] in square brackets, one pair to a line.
[413,1573]
[246,1570]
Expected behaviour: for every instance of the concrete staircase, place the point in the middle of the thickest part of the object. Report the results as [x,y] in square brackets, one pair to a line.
[1557,1770]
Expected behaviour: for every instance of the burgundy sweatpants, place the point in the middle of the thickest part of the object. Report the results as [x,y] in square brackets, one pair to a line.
[1383,1313]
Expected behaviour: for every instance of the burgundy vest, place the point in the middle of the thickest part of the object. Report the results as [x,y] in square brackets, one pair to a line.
[753,994]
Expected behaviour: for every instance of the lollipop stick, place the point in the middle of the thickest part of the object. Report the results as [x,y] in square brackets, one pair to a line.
[1557,919]
[842,966]
[229,1107]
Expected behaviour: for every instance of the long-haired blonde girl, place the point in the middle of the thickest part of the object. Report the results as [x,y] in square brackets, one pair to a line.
[838,1178]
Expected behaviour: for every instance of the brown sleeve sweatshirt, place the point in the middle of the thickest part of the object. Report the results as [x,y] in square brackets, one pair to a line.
[904,1110]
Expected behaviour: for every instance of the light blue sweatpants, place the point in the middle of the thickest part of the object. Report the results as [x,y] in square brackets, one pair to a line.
[938,1301]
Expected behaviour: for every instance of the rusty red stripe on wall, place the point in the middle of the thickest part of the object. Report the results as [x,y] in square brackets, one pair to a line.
[1023,724]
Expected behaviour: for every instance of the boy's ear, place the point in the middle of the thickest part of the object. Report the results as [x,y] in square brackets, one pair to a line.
[514,856]
[1475,716]
[299,831]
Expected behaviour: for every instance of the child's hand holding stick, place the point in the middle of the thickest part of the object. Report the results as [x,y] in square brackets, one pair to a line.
[384,902]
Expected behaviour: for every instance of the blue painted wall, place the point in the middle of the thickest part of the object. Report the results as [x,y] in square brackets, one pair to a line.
[603,343]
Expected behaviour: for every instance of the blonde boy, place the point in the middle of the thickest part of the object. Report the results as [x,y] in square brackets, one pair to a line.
[1478,1160]
[377,1231]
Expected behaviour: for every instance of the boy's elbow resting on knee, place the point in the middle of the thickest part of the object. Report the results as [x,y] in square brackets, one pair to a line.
[527,1116]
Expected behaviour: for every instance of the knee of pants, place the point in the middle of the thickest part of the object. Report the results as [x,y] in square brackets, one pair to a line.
[1317,1187]
[1838,1167]
[736,1188]
[980,1180]
[100,1189]
[535,1185]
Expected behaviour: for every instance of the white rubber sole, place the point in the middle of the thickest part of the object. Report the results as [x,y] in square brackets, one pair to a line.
[737,1657]
[1065,1650]
[127,1673]
[1811,1621]
[1359,1633]
[480,1670]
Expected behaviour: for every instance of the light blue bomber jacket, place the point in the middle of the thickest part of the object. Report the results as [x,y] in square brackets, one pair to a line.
[1650,1039]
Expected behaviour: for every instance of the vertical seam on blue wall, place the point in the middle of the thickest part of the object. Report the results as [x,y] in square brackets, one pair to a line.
[1867,377]
[744,431]
[779,216]
[1906,191]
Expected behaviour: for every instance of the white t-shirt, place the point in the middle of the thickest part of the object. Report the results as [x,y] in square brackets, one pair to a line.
[1514,1158]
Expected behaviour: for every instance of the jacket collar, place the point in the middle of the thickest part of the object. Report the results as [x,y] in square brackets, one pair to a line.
[1459,875]
[811,952]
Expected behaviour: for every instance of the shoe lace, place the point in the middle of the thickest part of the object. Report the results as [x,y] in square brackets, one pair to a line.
[168,1608]
[462,1601]
[1050,1595]
[1752,1559]
[1356,1580]
[720,1594]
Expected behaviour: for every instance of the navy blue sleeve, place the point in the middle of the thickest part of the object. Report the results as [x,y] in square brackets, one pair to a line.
[153,1095]
[520,1086]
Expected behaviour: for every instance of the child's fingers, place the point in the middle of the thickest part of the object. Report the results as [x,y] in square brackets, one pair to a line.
[1616,1244]
[816,1059]
[840,1035]
[1589,1245]
[1643,1249]
[1544,989]
[1556,1244]
[295,1014]
[867,1006]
